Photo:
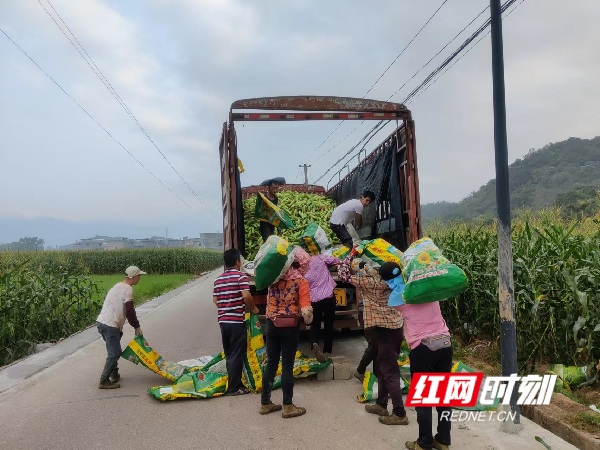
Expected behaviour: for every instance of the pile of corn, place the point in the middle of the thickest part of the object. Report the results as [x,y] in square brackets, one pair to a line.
[302,208]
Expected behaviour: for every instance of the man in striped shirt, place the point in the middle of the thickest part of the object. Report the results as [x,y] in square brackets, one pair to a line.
[231,294]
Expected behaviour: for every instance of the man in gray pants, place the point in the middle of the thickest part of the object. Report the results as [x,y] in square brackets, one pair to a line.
[117,306]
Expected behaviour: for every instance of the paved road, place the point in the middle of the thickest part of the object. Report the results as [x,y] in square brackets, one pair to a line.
[62,408]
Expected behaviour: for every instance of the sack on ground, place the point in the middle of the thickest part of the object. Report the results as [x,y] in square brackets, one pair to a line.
[139,352]
[276,216]
[380,251]
[206,376]
[192,385]
[274,258]
[303,367]
[370,387]
[314,240]
[459,367]
[429,277]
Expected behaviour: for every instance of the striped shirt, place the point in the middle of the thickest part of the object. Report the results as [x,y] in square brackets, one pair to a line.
[228,290]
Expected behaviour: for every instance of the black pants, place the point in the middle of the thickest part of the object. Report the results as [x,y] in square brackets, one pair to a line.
[371,351]
[266,230]
[423,360]
[233,336]
[280,342]
[387,344]
[342,233]
[323,310]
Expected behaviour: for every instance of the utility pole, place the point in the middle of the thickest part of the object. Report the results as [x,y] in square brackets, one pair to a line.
[305,173]
[508,328]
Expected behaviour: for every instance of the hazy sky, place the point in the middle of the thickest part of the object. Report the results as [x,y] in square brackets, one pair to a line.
[179,64]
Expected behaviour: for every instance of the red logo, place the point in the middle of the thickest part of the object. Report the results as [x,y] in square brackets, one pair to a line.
[444,389]
[257,324]
[201,376]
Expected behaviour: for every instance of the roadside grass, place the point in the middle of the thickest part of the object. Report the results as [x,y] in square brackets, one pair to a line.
[150,286]
[588,421]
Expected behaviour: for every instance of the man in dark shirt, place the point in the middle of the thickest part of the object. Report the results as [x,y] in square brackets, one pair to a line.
[266,228]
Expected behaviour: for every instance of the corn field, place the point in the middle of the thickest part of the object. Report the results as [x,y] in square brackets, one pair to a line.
[42,303]
[556,275]
[46,296]
[102,262]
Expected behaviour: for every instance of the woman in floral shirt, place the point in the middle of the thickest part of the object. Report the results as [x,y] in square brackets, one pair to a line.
[288,297]
[386,324]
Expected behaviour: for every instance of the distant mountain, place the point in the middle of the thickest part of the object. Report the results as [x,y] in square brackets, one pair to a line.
[535,181]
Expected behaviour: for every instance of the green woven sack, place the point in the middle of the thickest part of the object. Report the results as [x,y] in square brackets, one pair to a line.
[429,277]
[274,258]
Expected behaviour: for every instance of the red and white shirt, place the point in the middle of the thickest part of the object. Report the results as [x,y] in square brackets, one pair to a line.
[228,290]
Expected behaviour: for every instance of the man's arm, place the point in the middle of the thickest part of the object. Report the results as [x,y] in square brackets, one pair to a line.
[249,300]
[215,300]
[358,220]
[132,317]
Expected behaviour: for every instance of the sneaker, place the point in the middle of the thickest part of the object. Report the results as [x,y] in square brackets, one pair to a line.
[376,409]
[108,385]
[394,420]
[292,411]
[359,376]
[439,446]
[271,407]
[413,446]
[115,378]
[318,353]
[241,391]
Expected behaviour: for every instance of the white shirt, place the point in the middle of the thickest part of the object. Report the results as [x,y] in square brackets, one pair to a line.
[113,309]
[346,212]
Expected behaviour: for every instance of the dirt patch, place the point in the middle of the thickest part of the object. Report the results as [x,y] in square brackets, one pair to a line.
[560,417]
[481,355]
[588,395]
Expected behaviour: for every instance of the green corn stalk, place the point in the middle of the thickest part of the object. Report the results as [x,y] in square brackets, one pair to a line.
[556,274]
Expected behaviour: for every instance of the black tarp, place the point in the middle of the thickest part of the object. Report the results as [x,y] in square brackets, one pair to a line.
[379,175]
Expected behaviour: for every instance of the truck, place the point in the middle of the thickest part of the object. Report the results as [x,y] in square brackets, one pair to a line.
[390,170]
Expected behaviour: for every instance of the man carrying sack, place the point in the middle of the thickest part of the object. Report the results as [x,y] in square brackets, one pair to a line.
[117,306]
[266,228]
[346,213]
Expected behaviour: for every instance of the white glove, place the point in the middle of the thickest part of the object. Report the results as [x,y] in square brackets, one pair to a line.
[307,315]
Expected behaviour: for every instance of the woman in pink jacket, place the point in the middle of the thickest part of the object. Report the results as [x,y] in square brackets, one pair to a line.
[430,345]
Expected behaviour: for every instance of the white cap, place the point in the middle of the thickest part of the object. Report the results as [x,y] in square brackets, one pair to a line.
[133,271]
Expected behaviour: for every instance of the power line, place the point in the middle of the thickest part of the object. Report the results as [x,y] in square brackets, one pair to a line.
[407,81]
[97,123]
[448,60]
[404,49]
[375,83]
[486,24]
[442,49]
[114,93]
[372,132]
[462,56]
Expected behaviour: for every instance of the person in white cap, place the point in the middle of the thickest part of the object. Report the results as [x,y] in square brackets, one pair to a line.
[117,306]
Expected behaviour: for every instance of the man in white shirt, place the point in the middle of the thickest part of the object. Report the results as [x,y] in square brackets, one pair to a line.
[117,306]
[346,213]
